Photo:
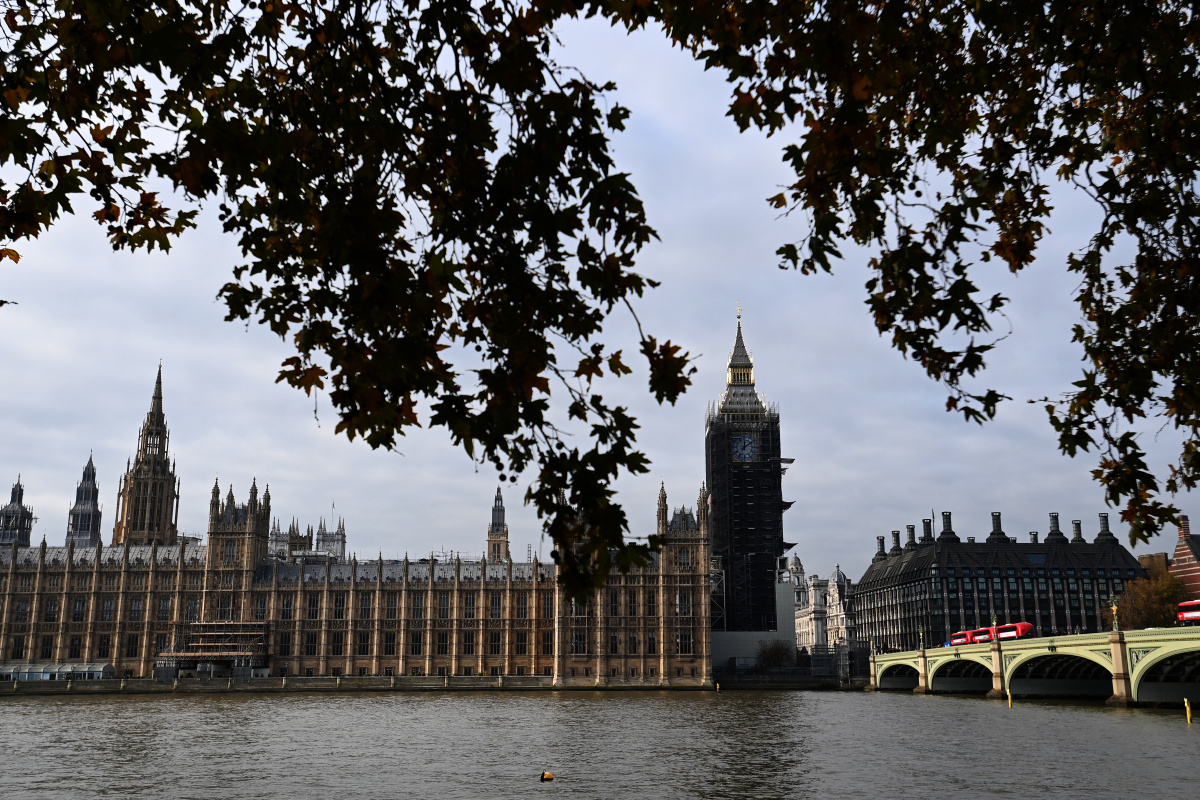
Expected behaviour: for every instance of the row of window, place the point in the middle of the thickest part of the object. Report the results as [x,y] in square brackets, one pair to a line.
[166,580]
[104,647]
[135,609]
[684,643]
[417,644]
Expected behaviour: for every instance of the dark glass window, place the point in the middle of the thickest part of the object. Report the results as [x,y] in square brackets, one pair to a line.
[314,606]
[364,643]
[494,643]
[443,643]
[285,644]
[310,644]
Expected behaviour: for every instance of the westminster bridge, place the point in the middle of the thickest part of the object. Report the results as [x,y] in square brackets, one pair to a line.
[1159,665]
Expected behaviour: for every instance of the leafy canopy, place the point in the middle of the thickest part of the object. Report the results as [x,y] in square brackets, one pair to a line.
[1149,603]
[428,209]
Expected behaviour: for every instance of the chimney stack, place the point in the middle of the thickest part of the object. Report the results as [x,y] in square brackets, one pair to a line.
[927,534]
[947,534]
[997,536]
[1105,536]
[1184,530]
[1055,535]
[1077,532]
[895,551]
[911,544]
[880,555]
[1033,537]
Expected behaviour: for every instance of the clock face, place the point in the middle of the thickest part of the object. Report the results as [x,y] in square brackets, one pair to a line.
[745,447]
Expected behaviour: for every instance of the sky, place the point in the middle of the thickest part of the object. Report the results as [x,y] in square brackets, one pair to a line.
[874,449]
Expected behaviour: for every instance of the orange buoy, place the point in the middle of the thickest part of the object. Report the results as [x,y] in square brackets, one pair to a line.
[547,776]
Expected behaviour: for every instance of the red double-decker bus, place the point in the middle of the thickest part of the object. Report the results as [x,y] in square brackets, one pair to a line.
[1189,613]
[1013,630]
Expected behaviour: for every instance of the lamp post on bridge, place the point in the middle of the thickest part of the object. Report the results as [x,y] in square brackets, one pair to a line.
[997,663]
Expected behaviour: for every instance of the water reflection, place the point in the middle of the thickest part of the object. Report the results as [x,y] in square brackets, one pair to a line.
[600,745]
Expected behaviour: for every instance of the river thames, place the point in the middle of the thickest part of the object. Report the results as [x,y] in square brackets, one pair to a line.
[599,745]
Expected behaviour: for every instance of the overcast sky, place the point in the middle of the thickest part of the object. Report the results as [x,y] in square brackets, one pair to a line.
[874,449]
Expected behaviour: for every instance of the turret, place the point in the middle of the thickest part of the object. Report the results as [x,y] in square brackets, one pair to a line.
[662,508]
[148,502]
[497,534]
[83,521]
[16,518]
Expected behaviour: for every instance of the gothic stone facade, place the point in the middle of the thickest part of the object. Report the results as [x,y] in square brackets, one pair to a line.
[231,607]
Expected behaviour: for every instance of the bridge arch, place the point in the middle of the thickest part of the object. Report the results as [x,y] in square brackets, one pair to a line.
[961,676]
[1060,674]
[899,677]
[1169,676]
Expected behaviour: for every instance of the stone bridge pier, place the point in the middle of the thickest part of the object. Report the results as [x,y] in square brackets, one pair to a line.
[1122,668]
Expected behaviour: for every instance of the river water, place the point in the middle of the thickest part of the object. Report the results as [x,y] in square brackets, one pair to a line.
[598,745]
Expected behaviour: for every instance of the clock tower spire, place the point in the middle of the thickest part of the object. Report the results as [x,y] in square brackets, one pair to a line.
[744,473]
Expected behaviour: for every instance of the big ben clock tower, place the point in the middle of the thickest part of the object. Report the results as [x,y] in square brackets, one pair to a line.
[744,475]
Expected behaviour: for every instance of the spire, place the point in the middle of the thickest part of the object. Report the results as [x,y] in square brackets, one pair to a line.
[156,408]
[740,395]
[497,526]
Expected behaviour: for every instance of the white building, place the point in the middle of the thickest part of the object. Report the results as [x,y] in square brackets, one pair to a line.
[823,609]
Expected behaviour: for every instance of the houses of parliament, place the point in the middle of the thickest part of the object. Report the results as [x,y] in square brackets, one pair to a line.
[255,600]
